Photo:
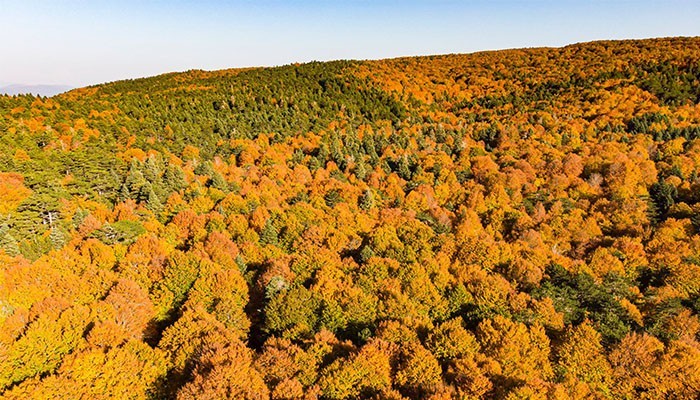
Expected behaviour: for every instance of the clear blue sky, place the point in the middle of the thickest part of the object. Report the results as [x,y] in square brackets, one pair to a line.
[91,41]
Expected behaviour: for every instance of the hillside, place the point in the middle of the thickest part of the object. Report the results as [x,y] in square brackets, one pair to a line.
[509,224]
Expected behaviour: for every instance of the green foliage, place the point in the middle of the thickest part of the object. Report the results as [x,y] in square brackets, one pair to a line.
[366,200]
[664,197]
[671,83]
[269,233]
[8,243]
[292,313]
[332,197]
[124,232]
[578,297]
[497,242]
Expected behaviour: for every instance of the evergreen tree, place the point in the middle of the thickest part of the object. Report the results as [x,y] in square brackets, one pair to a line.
[57,237]
[174,178]
[148,196]
[152,169]
[269,233]
[366,200]
[7,242]
[360,169]
[217,181]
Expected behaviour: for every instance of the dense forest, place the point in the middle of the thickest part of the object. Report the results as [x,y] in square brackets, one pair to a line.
[504,225]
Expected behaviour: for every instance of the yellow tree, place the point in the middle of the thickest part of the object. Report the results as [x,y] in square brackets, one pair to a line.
[520,354]
[581,358]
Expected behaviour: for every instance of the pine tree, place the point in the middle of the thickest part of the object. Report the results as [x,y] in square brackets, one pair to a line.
[133,183]
[360,169]
[148,195]
[174,178]
[269,233]
[332,197]
[367,200]
[57,237]
[152,170]
[217,181]
[7,242]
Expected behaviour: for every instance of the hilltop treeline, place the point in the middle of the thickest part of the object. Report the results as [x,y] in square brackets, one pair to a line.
[512,224]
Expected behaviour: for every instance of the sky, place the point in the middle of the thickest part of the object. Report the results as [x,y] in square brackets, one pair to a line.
[84,42]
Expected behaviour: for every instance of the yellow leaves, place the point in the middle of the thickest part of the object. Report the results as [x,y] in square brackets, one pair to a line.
[581,358]
[190,153]
[673,147]
[385,238]
[465,230]
[42,347]
[421,199]
[624,178]
[394,189]
[224,293]
[614,105]
[202,204]
[133,310]
[224,370]
[282,360]
[419,372]
[125,372]
[100,255]
[368,370]
[632,311]
[521,353]
[450,341]
[12,192]
[21,156]
[484,169]
[642,368]
[604,262]
[18,110]
[35,124]
[680,370]
[288,389]
[24,285]
[259,218]
[133,153]
[545,314]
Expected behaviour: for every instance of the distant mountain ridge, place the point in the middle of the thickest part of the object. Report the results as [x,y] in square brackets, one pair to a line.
[39,90]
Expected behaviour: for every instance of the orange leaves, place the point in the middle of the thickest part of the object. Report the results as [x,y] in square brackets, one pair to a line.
[190,225]
[468,376]
[457,231]
[12,192]
[221,249]
[520,353]
[581,359]
[42,347]
[643,365]
[190,153]
[133,153]
[225,371]
[451,341]
[224,293]
[21,156]
[133,310]
[124,372]
[418,372]
[369,370]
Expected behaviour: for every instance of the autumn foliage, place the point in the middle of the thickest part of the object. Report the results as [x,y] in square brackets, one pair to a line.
[503,225]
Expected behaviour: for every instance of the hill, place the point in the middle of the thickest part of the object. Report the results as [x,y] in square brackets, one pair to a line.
[509,224]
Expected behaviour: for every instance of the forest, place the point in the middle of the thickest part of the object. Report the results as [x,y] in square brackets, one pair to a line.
[516,224]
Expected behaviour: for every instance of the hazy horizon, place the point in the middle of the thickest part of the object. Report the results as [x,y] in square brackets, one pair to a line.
[78,43]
